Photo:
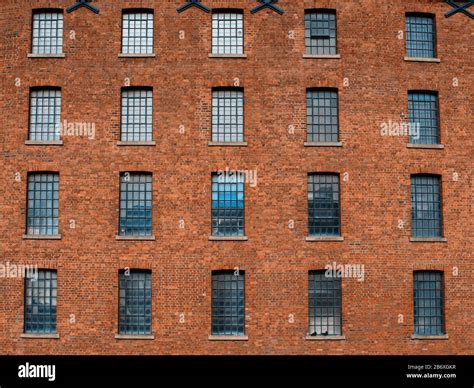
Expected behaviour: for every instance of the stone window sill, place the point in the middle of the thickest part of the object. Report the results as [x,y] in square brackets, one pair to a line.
[228,144]
[39,336]
[324,238]
[325,337]
[122,55]
[325,56]
[134,337]
[228,338]
[41,237]
[227,56]
[228,238]
[426,146]
[44,142]
[429,337]
[136,143]
[430,60]
[46,55]
[328,144]
[135,238]
[429,240]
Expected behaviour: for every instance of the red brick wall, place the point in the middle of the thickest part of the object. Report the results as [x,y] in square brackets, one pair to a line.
[276,259]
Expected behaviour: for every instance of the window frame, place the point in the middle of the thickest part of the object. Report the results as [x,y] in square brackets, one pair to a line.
[438,115]
[240,136]
[313,91]
[308,50]
[30,106]
[126,89]
[431,16]
[231,11]
[131,11]
[38,11]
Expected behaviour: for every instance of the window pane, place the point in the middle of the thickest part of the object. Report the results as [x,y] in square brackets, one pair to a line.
[420,36]
[320,32]
[227,115]
[322,116]
[426,206]
[428,302]
[137,32]
[47,32]
[137,115]
[45,114]
[323,205]
[423,115]
[227,33]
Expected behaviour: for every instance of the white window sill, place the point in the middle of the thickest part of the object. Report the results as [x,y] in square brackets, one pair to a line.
[324,238]
[135,238]
[426,146]
[318,144]
[122,55]
[134,337]
[39,336]
[46,55]
[44,142]
[430,60]
[429,337]
[228,238]
[136,143]
[429,239]
[228,144]
[227,55]
[228,338]
[322,56]
[325,337]
[41,237]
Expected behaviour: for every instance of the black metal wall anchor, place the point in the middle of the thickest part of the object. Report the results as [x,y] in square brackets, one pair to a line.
[83,3]
[267,4]
[460,8]
[193,3]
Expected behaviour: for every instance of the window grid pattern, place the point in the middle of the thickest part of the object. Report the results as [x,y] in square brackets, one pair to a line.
[426,206]
[428,303]
[137,33]
[43,204]
[420,36]
[423,114]
[47,33]
[322,116]
[40,302]
[135,303]
[135,204]
[227,33]
[323,205]
[324,304]
[228,303]
[227,204]
[45,114]
[320,33]
[228,115]
[137,115]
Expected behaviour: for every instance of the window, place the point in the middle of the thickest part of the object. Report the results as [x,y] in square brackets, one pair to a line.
[426,206]
[324,304]
[228,303]
[137,115]
[45,114]
[135,204]
[47,31]
[137,32]
[420,36]
[320,32]
[41,292]
[227,32]
[43,204]
[323,205]
[227,115]
[423,115]
[227,204]
[135,302]
[428,302]
[322,116]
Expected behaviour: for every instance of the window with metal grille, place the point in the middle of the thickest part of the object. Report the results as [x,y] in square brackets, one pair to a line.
[47,32]
[135,302]
[43,204]
[322,116]
[323,205]
[426,206]
[137,32]
[421,36]
[320,32]
[228,115]
[137,115]
[135,204]
[428,302]
[228,303]
[45,114]
[227,32]
[40,302]
[424,117]
[324,304]
[227,204]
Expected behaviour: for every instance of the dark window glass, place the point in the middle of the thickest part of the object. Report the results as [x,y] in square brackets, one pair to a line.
[322,116]
[47,32]
[320,32]
[426,206]
[43,204]
[137,32]
[227,204]
[135,302]
[227,33]
[137,115]
[45,114]
[324,304]
[428,302]
[40,302]
[423,115]
[228,303]
[135,204]
[323,205]
[228,115]
[420,36]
